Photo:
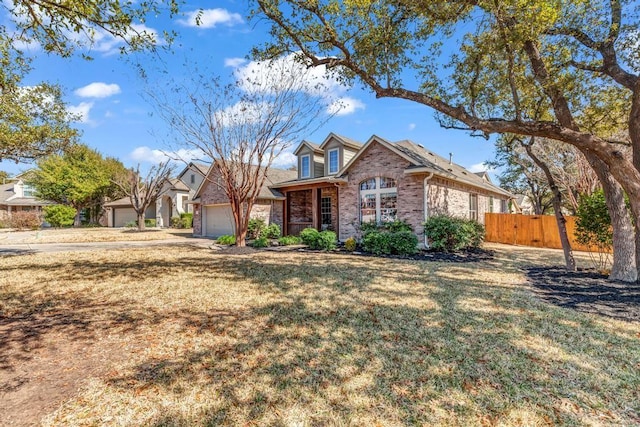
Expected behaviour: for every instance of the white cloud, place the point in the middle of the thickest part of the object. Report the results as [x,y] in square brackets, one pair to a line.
[209,18]
[268,76]
[234,62]
[149,155]
[412,126]
[81,111]
[344,106]
[480,167]
[98,90]
[285,160]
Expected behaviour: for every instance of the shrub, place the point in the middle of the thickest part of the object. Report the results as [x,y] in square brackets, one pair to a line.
[593,227]
[260,242]
[150,222]
[25,220]
[397,226]
[175,222]
[59,215]
[309,236]
[403,242]
[187,219]
[272,231]
[226,240]
[255,228]
[350,244]
[451,234]
[376,242]
[325,240]
[131,224]
[289,240]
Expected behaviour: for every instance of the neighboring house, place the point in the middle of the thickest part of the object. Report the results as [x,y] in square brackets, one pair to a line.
[16,196]
[212,215]
[172,201]
[341,184]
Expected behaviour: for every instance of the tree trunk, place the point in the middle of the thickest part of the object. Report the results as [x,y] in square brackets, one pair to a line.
[141,224]
[624,237]
[240,223]
[557,207]
[77,222]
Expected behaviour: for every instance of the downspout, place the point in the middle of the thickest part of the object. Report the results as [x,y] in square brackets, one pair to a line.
[426,206]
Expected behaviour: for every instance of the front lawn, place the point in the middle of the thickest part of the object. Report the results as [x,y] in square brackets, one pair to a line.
[185,336]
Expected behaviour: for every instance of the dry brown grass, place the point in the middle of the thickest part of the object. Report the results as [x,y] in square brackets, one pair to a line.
[319,339]
[97,234]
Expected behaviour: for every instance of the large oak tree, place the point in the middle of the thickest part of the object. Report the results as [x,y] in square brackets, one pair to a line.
[531,68]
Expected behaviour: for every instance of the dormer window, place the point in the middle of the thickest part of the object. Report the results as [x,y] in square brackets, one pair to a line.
[333,161]
[28,191]
[193,179]
[305,166]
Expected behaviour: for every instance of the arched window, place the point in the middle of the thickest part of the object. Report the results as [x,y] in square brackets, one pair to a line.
[378,200]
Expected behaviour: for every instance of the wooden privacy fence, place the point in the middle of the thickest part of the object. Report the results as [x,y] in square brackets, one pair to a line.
[540,231]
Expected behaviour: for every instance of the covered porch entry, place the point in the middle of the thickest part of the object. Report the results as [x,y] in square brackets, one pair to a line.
[314,206]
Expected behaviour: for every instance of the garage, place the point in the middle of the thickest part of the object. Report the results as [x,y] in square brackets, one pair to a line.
[218,220]
[122,216]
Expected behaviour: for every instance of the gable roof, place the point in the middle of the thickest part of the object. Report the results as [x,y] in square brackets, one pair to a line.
[314,147]
[199,167]
[273,177]
[425,161]
[348,142]
[7,197]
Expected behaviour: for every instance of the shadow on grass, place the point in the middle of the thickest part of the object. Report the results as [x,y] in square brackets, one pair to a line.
[351,339]
[586,291]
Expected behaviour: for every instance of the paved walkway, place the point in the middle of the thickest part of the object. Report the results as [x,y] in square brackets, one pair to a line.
[29,248]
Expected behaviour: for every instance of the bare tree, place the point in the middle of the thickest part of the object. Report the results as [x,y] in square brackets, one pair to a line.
[242,127]
[143,191]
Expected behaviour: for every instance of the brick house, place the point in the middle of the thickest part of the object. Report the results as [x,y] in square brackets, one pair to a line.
[341,183]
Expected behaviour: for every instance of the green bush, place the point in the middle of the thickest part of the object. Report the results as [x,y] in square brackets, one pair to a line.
[403,242]
[25,220]
[350,244]
[309,236]
[593,227]
[260,242]
[175,222]
[289,240]
[131,224]
[376,242]
[325,240]
[226,240]
[255,228]
[451,234]
[150,222]
[397,226]
[272,231]
[59,215]
[187,219]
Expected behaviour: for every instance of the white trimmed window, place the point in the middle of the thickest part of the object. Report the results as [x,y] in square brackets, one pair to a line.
[378,200]
[305,166]
[333,160]
[490,204]
[473,206]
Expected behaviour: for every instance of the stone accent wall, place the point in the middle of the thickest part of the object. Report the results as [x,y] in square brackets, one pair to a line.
[452,198]
[379,161]
[197,219]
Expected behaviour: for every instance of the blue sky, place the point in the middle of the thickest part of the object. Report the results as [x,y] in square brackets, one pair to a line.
[117,121]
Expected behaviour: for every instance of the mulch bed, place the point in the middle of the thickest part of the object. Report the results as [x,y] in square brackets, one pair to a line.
[586,291]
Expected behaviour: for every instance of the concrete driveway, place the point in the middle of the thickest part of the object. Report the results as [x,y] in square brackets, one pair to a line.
[7,248]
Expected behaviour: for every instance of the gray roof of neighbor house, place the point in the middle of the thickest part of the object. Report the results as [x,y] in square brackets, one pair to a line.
[125,201]
[6,192]
[274,176]
[443,167]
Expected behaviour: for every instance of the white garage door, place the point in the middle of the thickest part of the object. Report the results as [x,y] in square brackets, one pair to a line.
[121,216]
[219,220]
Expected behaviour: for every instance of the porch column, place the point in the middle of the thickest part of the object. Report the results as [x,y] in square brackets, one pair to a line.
[314,208]
[285,215]
[159,222]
